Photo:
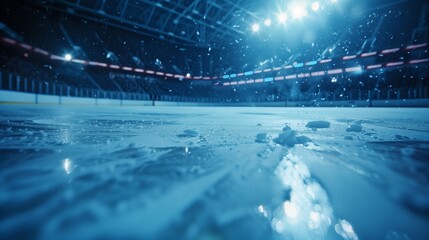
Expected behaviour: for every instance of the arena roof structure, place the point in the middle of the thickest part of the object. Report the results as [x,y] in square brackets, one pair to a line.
[194,22]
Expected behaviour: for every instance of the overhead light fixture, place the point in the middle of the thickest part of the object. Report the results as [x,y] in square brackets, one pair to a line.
[299,12]
[255,27]
[282,17]
[267,22]
[68,57]
[315,6]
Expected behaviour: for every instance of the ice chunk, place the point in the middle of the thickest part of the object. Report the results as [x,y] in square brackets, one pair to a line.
[318,124]
[399,137]
[192,133]
[286,127]
[261,138]
[289,137]
[302,140]
[354,128]
[286,138]
[188,133]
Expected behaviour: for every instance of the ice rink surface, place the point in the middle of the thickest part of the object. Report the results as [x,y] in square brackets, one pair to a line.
[75,172]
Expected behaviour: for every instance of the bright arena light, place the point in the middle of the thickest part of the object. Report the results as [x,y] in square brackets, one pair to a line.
[267,22]
[282,17]
[68,57]
[255,27]
[315,6]
[299,12]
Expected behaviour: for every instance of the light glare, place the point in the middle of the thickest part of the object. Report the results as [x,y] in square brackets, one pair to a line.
[290,210]
[315,6]
[68,57]
[255,27]
[282,17]
[67,166]
[299,12]
[267,22]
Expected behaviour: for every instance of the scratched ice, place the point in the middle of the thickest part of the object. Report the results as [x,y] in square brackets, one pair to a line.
[213,173]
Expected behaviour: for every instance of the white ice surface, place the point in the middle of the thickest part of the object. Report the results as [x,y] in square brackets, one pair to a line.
[213,173]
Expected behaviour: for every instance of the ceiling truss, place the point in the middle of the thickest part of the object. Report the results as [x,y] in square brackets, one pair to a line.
[192,22]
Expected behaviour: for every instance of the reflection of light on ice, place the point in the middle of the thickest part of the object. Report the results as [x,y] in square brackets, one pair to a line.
[278,225]
[290,210]
[345,229]
[67,166]
[316,219]
[65,136]
[310,192]
[308,213]
[262,211]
